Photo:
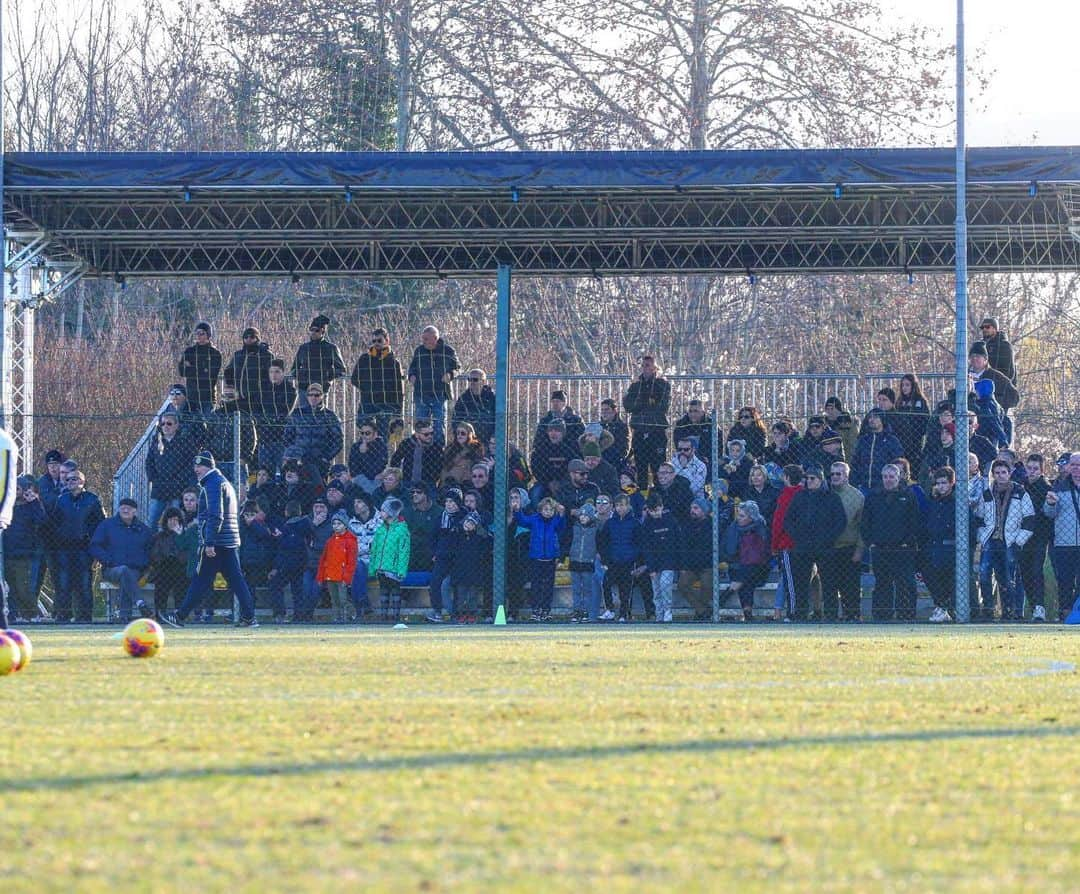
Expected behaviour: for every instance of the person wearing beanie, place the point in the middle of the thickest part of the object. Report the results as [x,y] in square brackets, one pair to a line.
[550,460]
[599,471]
[583,552]
[22,542]
[257,543]
[121,544]
[390,550]
[544,527]
[628,488]
[318,360]
[431,373]
[248,372]
[476,405]
[614,425]
[989,413]
[337,565]
[470,571]
[814,519]
[874,450]
[444,546]
[313,432]
[1005,392]
[696,559]
[377,377]
[560,409]
[219,543]
[200,366]
[841,421]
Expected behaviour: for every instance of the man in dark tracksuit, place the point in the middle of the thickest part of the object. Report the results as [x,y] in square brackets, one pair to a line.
[1033,553]
[891,527]
[815,518]
[377,378]
[219,543]
[249,373]
[200,365]
[78,513]
[317,360]
[431,371]
[647,402]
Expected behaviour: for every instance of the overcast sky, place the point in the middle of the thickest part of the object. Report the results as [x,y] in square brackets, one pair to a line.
[1032,51]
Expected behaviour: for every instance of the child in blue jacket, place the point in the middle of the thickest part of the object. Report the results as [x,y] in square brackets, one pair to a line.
[544,529]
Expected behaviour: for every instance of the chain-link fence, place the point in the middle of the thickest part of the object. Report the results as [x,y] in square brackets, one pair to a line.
[626,503]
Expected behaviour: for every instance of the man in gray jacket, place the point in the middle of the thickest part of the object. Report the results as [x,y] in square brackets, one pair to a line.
[1063,506]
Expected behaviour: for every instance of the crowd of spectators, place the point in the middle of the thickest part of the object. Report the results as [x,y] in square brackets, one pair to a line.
[632,500]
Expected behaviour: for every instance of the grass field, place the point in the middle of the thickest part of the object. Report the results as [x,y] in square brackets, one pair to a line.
[689,759]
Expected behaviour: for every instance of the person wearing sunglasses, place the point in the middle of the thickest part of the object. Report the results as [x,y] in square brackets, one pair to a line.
[377,377]
[999,350]
[431,372]
[169,456]
[476,405]
[318,360]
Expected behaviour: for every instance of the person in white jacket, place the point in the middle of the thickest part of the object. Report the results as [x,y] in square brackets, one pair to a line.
[690,466]
[1006,515]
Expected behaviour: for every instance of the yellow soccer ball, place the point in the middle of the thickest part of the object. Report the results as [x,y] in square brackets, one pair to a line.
[10,656]
[26,650]
[143,638]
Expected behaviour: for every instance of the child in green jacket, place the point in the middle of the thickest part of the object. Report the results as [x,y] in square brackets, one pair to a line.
[390,558]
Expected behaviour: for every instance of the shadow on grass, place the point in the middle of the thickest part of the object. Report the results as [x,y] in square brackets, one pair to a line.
[530,755]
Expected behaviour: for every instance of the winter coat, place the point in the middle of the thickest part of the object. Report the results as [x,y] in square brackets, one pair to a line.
[457,463]
[478,411]
[791,455]
[390,550]
[605,478]
[221,435]
[891,518]
[1019,516]
[1042,527]
[470,565]
[990,418]
[575,497]
[317,361]
[364,532]
[619,540]
[115,543]
[619,450]
[909,421]
[423,525]
[249,373]
[1065,513]
[377,378]
[445,536]
[368,463]
[695,472]
[575,427]
[853,501]
[766,501]
[933,459]
[702,430]
[313,435]
[872,453]
[549,460]
[647,401]
[984,449]
[338,561]
[22,538]
[292,546]
[999,351]
[75,519]
[257,546]
[781,539]
[737,547]
[677,497]
[168,560]
[814,520]
[1004,390]
[518,469]
[187,542]
[272,417]
[270,497]
[427,369]
[317,535]
[543,534]
[697,544]
[738,479]
[169,465]
[754,437]
[217,516]
[200,366]
[583,548]
[661,543]
[303,492]
[430,460]
[939,530]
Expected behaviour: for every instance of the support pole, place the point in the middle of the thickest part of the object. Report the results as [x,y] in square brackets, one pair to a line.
[502,391]
[714,440]
[963,553]
[236,483]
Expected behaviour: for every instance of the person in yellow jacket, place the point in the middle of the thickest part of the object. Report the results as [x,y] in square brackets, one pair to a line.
[390,558]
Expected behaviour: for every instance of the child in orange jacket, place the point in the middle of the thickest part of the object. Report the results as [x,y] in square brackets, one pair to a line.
[337,565]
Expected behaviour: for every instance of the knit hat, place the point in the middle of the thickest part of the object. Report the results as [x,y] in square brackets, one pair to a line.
[127,501]
[338,469]
[576,465]
[205,327]
[522,495]
[250,332]
[984,388]
[54,456]
[341,516]
[454,493]
[629,471]
[703,505]
[587,510]
[590,449]
[322,321]
[978,348]
[391,506]
[559,395]
[205,458]
[473,517]
[988,321]
[177,390]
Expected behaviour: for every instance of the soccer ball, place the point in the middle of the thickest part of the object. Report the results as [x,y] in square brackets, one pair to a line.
[26,650]
[10,656]
[143,638]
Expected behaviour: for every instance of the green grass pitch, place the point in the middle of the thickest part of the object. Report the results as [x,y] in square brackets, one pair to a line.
[525,759]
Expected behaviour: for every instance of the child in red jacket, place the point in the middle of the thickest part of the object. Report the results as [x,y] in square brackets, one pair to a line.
[337,565]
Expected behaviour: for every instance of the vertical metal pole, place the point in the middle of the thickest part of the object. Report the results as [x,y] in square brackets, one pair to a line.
[714,441]
[963,557]
[502,390]
[4,372]
[236,483]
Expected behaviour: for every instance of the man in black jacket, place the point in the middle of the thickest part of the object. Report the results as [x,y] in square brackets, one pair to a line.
[619,450]
[249,372]
[378,381]
[647,401]
[892,528]
[200,365]
[695,422]
[1005,392]
[431,371]
[168,466]
[999,351]
[272,418]
[1033,553]
[815,518]
[476,405]
[419,457]
[317,360]
[221,428]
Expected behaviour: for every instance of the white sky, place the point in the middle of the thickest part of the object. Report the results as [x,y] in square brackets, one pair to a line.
[1029,47]
[1032,52]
